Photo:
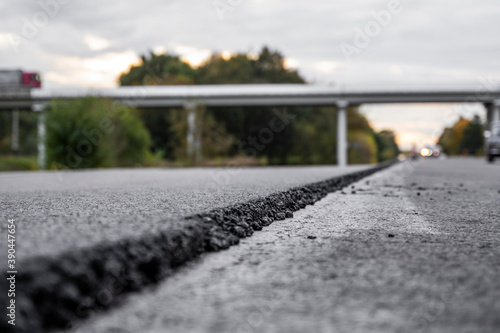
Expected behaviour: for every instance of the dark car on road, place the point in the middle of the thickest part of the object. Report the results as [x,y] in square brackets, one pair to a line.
[493,142]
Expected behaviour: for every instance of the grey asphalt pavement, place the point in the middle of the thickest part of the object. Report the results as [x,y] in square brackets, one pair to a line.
[57,211]
[86,239]
[413,248]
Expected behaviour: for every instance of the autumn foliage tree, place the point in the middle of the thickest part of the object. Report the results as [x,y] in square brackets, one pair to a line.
[464,137]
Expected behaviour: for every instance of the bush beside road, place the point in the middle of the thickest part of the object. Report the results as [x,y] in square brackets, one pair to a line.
[18,163]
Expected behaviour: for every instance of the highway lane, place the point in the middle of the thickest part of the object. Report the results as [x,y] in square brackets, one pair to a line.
[414,248]
[64,210]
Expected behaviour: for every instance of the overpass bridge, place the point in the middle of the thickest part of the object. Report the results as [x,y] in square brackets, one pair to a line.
[261,95]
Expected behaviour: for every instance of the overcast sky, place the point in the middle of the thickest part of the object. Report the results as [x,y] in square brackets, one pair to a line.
[76,43]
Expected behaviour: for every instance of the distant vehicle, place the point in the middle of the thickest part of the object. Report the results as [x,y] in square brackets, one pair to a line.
[493,142]
[14,79]
[430,151]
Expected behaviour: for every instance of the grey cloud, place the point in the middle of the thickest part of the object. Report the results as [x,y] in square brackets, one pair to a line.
[455,36]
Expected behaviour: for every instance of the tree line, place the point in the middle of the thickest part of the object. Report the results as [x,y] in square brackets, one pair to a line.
[91,132]
[309,139]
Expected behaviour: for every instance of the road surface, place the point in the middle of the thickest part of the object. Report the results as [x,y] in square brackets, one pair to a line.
[413,248]
[79,233]
[57,211]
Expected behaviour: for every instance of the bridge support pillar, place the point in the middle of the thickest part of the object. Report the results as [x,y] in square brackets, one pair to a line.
[15,132]
[194,132]
[342,133]
[495,117]
[489,114]
[42,158]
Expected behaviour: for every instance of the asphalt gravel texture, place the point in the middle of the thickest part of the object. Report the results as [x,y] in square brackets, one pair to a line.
[71,263]
[58,211]
[413,248]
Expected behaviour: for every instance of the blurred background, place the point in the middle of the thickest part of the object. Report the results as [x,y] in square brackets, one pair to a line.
[75,44]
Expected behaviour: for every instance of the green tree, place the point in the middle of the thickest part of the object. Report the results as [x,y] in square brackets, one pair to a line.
[314,140]
[158,122]
[94,133]
[242,123]
[472,139]
[362,146]
[387,146]
[270,68]
[130,140]
[214,139]
[451,137]
[445,141]
[158,69]
[217,70]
